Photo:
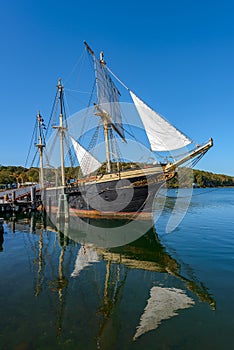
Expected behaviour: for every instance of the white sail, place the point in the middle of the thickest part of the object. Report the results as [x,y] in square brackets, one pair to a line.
[163,304]
[87,162]
[161,134]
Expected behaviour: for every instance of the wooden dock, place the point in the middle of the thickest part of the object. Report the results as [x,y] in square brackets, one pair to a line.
[22,200]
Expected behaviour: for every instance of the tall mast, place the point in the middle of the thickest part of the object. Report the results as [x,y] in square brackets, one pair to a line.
[61,129]
[106,126]
[40,147]
[105,117]
[106,135]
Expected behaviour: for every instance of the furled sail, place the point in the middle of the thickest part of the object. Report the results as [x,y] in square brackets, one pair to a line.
[161,134]
[108,96]
[87,162]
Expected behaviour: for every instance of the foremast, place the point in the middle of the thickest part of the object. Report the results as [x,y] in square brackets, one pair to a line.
[162,135]
[107,107]
[106,126]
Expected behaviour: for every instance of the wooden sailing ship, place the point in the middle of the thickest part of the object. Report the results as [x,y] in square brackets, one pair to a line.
[116,192]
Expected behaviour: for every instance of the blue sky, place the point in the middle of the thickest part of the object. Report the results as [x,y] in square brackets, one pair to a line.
[178,56]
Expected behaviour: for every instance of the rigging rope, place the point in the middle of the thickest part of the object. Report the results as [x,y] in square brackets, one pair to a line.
[193,195]
[80,62]
[87,110]
[190,165]
[70,156]
[115,149]
[31,142]
[92,144]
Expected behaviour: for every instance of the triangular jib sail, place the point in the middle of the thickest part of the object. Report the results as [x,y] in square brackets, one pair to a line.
[161,134]
[87,162]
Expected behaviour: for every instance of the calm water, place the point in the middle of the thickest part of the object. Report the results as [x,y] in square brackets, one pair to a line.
[165,291]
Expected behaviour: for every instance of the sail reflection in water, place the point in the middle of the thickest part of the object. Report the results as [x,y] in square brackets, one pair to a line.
[99,297]
[162,305]
[86,256]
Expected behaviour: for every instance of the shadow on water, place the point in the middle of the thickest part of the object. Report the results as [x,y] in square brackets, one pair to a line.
[1,236]
[116,266]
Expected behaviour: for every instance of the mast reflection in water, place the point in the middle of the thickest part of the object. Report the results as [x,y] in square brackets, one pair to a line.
[63,292]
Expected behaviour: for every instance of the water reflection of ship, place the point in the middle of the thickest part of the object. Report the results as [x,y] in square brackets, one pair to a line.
[1,234]
[146,253]
[37,247]
[59,283]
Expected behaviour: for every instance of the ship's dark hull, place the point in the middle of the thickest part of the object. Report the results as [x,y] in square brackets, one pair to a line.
[115,198]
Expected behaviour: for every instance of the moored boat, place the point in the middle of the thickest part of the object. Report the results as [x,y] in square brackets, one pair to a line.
[105,188]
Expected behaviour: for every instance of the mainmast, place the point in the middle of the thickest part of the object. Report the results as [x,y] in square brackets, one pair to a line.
[61,129]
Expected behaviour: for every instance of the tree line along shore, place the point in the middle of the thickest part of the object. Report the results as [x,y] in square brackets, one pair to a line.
[18,176]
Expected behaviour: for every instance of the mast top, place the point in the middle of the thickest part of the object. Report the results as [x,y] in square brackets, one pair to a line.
[41,126]
[102,58]
[89,48]
[60,87]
